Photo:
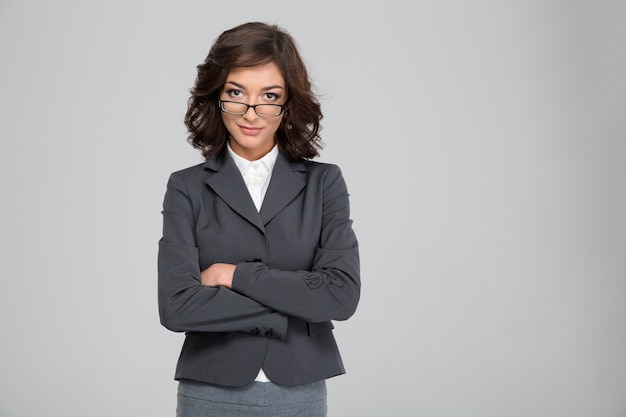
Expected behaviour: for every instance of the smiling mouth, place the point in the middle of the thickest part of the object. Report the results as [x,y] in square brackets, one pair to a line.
[249,130]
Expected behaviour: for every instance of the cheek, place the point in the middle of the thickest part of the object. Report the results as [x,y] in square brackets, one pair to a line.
[227,119]
[276,123]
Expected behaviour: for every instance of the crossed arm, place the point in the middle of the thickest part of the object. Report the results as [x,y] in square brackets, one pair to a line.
[226,297]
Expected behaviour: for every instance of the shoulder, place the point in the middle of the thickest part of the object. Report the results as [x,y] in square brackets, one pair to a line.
[187,179]
[328,175]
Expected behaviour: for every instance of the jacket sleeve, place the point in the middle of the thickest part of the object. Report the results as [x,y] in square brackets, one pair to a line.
[184,303]
[331,289]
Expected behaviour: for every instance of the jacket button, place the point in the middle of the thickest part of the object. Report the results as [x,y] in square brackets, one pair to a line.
[254,331]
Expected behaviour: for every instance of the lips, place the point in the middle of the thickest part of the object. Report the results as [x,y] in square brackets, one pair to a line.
[249,131]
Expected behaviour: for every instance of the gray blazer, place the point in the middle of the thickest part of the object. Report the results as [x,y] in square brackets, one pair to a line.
[297,269]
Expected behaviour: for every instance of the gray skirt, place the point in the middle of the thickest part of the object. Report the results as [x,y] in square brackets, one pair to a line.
[197,399]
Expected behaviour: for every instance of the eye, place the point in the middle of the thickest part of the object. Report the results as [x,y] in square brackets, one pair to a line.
[271,96]
[234,93]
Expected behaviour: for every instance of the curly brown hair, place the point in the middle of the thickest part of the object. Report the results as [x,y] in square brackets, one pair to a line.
[248,45]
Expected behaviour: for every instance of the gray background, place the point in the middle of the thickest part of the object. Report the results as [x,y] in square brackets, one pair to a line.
[484,147]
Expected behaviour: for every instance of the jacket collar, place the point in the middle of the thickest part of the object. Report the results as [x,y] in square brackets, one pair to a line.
[288,179]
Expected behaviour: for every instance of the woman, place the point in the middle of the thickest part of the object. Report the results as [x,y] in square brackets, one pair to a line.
[258,254]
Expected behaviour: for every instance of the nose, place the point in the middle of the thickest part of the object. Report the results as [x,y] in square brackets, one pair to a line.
[250,114]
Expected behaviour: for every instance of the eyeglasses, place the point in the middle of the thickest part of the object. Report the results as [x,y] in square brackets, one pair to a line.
[262,110]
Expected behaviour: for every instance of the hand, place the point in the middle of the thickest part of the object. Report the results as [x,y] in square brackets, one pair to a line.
[218,275]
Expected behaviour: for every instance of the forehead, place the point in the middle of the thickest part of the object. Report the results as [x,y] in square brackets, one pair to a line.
[260,76]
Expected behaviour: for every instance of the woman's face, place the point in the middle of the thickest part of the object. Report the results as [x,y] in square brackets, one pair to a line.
[252,136]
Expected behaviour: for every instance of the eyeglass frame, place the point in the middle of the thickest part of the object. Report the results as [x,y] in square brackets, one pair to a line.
[254,106]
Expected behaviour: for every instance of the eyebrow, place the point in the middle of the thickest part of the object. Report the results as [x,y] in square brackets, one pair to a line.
[271,87]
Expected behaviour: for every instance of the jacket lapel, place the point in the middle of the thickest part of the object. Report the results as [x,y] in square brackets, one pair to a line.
[228,183]
[287,180]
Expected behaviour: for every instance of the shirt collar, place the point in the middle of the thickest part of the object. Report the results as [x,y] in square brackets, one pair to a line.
[268,160]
